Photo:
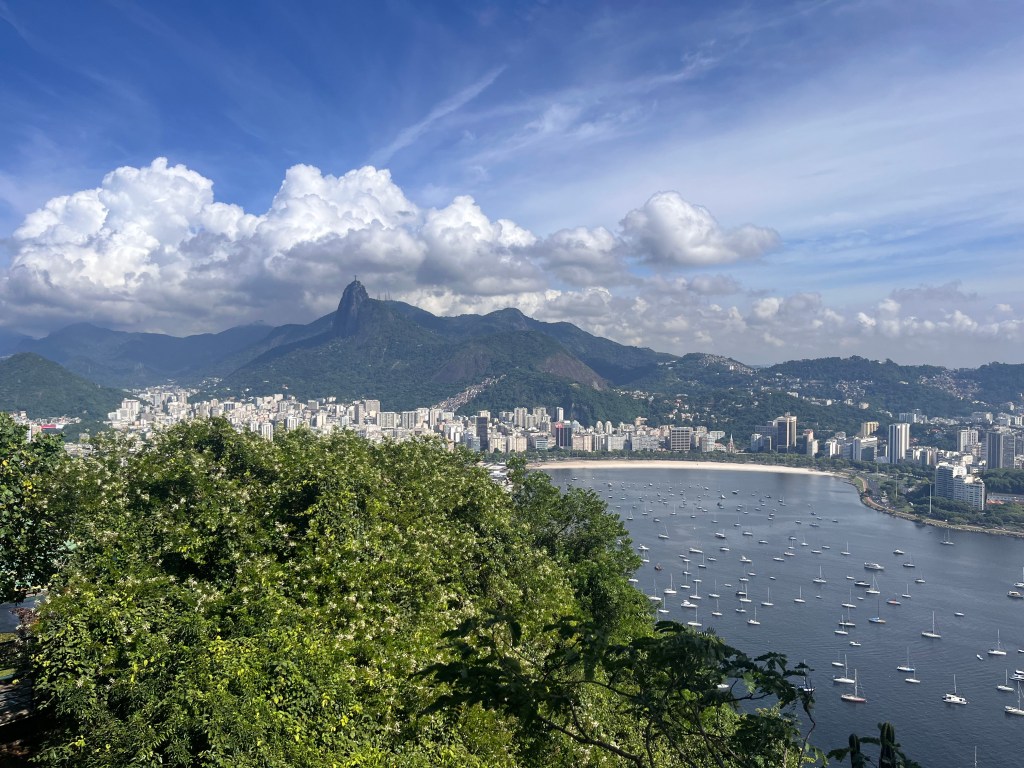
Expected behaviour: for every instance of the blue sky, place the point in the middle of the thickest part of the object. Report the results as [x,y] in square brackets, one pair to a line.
[762,180]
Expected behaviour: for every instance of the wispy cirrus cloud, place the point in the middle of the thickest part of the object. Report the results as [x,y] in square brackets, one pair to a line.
[410,134]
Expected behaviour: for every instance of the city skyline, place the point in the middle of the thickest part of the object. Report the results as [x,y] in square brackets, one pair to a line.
[764,183]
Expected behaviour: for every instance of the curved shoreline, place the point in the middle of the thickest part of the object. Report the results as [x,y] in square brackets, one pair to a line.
[680,464]
[782,469]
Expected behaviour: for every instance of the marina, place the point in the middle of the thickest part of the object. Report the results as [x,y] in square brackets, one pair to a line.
[811,587]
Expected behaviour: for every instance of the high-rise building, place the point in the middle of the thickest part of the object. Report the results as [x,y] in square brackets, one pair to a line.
[483,423]
[966,438]
[1000,448]
[559,414]
[562,433]
[680,438]
[785,432]
[867,428]
[944,474]
[899,442]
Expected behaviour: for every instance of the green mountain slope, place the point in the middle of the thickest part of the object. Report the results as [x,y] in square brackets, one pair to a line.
[43,388]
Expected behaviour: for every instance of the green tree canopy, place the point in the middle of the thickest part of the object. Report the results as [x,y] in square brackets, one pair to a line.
[33,523]
[320,601]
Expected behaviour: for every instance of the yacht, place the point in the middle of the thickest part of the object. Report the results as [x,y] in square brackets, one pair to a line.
[854,697]
[998,650]
[932,634]
[1005,685]
[954,697]
[1012,710]
[874,567]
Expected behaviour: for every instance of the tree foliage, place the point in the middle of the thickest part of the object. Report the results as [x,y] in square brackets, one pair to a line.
[321,601]
[33,523]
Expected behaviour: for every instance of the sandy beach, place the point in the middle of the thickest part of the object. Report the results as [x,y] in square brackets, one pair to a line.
[684,465]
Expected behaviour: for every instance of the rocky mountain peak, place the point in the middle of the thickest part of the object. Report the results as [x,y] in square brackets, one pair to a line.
[353,303]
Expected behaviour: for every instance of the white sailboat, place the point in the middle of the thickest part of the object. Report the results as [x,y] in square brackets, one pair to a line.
[1012,710]
[932,634]
[843,679]
[906,667]
[1005,686]
[768,602]
[669,590]
[820,579]
[800,597]
[877,618]
[847,550]
[998,650]
[954,697]
[754,621]
[717,612]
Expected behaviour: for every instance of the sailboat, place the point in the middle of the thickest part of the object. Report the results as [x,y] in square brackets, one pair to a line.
[906,667]
[854,697]
[998,650]
[714,595]
[954,697]
[754,621]
[838,662]
[906,595]
[873,589]
[842,627]
[933,634]
[843,679]
[820,579]
[693,622]
[1020,584]
[1005,686]
[717,612]
[669,590]
[910,562]
[945,539]
[808,686]
[768,603]
[847,550]
[851,605]
[877,618]
[1012,710]
[800,597]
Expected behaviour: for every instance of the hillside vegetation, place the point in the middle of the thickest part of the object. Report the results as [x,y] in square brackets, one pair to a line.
[44,389]
[227,601]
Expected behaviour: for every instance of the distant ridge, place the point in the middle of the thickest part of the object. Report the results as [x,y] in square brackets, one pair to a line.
[44,389]
[407,357]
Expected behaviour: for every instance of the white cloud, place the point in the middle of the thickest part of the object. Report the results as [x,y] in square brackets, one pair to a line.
[669,230]
[152,249]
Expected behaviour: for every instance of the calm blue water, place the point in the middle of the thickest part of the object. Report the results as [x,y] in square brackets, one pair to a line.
[970,577]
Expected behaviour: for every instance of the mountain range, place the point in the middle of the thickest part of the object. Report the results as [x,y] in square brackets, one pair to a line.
[407,357]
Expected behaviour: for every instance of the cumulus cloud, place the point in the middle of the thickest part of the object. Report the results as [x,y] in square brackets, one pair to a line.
[152,249]
[669,230]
